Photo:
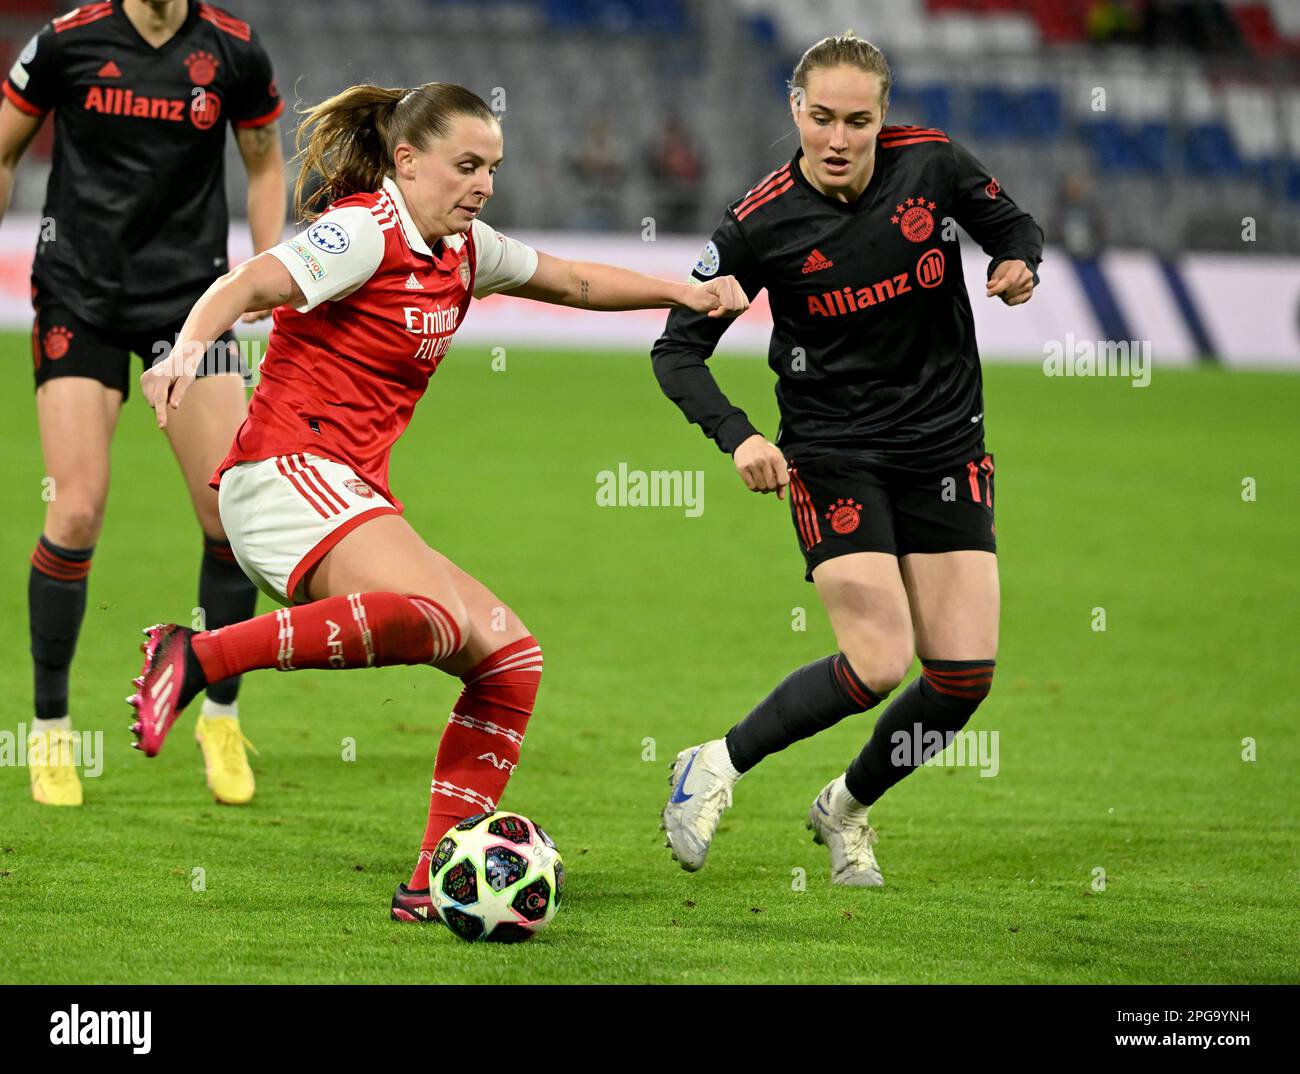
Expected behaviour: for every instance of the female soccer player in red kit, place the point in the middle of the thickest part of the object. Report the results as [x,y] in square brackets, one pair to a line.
[370,297]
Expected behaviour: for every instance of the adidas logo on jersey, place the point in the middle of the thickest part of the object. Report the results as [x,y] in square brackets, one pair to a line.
[816,262]
[109,70]
[412,284]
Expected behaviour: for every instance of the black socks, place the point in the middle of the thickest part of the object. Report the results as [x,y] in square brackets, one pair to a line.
[56,604]
[816,696]
[227,597]
[942,700]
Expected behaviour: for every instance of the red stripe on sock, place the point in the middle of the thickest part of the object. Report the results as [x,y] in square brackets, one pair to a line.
[961,680]
[972,685]
[856,689]
[57,567]
[975,665]
[953,692]
[220,550]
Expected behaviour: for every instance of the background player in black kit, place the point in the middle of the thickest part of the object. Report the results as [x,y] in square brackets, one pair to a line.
[881,441]
[135,230]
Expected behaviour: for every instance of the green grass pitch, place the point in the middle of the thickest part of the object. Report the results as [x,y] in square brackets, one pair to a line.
[1119,751]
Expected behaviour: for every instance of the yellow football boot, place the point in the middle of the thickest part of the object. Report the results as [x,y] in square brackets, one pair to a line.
[49,763]
[230,779]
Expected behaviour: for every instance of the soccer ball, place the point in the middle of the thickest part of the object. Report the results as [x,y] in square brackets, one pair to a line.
[497,877]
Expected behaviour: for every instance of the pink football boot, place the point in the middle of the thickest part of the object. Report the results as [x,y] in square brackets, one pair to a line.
[168,682]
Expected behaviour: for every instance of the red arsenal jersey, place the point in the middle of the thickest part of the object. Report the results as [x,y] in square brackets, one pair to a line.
[342,373]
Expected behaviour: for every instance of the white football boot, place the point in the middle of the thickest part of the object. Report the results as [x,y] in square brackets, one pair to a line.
[701,779]
[839,822]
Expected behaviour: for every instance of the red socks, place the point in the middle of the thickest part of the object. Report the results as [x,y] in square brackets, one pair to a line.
[480,746]
[357,630]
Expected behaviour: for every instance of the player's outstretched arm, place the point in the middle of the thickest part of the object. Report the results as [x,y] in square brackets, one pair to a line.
[260,283]
[593,286]
[17,129]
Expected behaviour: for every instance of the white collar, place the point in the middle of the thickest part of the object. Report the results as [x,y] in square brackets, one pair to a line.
[412,233]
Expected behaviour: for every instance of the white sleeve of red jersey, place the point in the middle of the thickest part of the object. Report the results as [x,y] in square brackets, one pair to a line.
[503,263]
[333,257]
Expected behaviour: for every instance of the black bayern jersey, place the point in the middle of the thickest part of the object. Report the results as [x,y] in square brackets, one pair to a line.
[137,196]
[873,342]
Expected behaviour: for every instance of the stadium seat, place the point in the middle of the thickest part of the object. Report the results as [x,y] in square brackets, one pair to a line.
[991,113]
[934,103]
[1151,146]
[1278,176]
[1255,21]
[1040,114]
[1209,152]
[1111,144]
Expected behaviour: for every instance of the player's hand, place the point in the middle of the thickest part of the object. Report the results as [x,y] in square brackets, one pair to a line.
[165,383]
[761,466]
[1012,282]
[723,297]
[256,315]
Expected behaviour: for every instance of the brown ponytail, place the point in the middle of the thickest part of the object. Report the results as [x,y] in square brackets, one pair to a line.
[348,141]
[845,49]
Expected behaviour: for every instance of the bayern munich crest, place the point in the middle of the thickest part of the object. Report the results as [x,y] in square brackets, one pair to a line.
[202,67]
[57,341]
[329,236]
[844,515]
[914,218]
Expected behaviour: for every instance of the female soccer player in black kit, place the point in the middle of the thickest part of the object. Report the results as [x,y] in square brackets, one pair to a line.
[135,230]
[881,442]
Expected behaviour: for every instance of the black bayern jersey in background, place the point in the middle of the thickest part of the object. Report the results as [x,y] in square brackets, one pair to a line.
[873,341]
[137,190]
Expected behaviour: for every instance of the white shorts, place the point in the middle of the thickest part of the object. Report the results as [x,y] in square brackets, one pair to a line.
[281,515]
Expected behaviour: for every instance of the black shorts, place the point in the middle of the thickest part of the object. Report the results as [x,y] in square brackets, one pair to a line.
[63,345]
[841,506]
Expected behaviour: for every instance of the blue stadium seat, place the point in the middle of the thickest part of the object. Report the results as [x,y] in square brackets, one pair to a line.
[1279,176]
[664,16]
[1209,152]
[1041,114]
[1111,144]
[992,114]
[764,30]
[934,105]
[1152,146]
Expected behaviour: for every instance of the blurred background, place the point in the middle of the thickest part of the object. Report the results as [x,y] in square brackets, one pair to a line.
[618,109]
[1168,127]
